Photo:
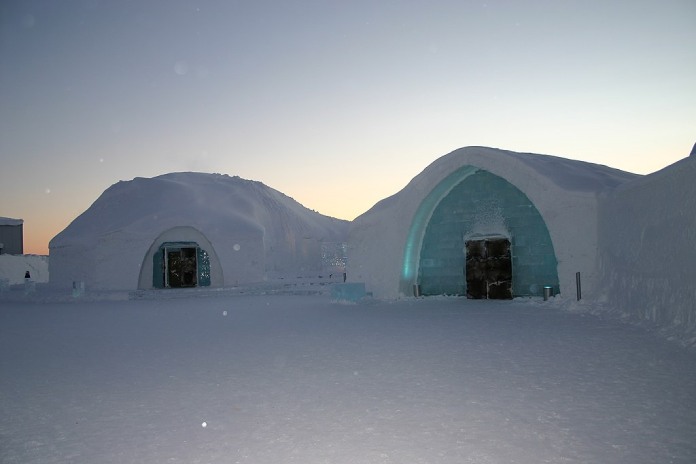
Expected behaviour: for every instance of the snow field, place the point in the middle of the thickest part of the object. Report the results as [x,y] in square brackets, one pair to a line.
[302,379]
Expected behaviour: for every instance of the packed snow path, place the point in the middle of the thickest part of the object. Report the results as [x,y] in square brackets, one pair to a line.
[282,379]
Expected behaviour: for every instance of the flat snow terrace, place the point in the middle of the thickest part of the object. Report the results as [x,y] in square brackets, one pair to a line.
[283,379]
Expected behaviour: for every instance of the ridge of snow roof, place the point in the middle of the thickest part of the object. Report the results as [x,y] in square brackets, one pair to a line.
[683,165]
[568,174]
[143,205]
[190,178]
[196,175]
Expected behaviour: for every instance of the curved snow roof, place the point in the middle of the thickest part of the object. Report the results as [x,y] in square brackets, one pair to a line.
[567,174]
[553,172]
[146,206]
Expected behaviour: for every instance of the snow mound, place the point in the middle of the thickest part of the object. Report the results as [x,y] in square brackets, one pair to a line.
[253,231]
[235,204]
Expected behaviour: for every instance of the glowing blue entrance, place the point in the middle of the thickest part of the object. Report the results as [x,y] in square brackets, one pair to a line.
[473,203]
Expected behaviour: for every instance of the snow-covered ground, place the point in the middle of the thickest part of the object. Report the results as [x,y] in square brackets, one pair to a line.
[299,378]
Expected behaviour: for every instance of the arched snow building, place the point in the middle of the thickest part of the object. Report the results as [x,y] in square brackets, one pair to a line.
[485,223]
[190,230]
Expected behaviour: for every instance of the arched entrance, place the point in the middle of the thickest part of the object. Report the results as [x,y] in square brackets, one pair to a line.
[180,257]
[180,265]
[480,231]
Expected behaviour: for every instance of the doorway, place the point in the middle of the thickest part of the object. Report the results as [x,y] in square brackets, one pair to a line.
[489,268]
[181,267]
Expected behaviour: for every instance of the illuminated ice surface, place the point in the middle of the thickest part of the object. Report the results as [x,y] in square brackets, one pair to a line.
[288,378]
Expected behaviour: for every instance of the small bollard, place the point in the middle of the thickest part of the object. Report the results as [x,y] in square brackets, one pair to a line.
[416,290]
[548,292]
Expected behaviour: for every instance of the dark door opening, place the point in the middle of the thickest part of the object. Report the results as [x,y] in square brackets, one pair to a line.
[181,267]
[489,269]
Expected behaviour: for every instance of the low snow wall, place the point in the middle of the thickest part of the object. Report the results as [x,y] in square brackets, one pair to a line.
[106,263]
[647,255]
[14,267]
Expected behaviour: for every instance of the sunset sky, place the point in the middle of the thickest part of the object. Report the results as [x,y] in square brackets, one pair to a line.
[337,104]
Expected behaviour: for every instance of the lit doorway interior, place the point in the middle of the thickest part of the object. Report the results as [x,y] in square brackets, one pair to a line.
[489,268]
[181,267]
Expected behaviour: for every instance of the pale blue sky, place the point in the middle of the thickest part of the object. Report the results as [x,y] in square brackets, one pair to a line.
[337,104]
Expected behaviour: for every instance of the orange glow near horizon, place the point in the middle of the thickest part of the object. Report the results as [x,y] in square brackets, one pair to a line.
[335,104]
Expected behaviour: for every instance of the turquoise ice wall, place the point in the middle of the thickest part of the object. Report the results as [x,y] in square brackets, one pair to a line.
[483,204]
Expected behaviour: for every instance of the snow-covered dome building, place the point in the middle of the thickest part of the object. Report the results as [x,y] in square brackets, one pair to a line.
[485,223]
[188,230]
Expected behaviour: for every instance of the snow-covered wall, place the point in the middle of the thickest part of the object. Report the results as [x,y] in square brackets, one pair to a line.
[565,192]
[14,267]
[647,231]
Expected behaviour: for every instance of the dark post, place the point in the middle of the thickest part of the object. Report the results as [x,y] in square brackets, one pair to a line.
[547,292]
[577,284]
